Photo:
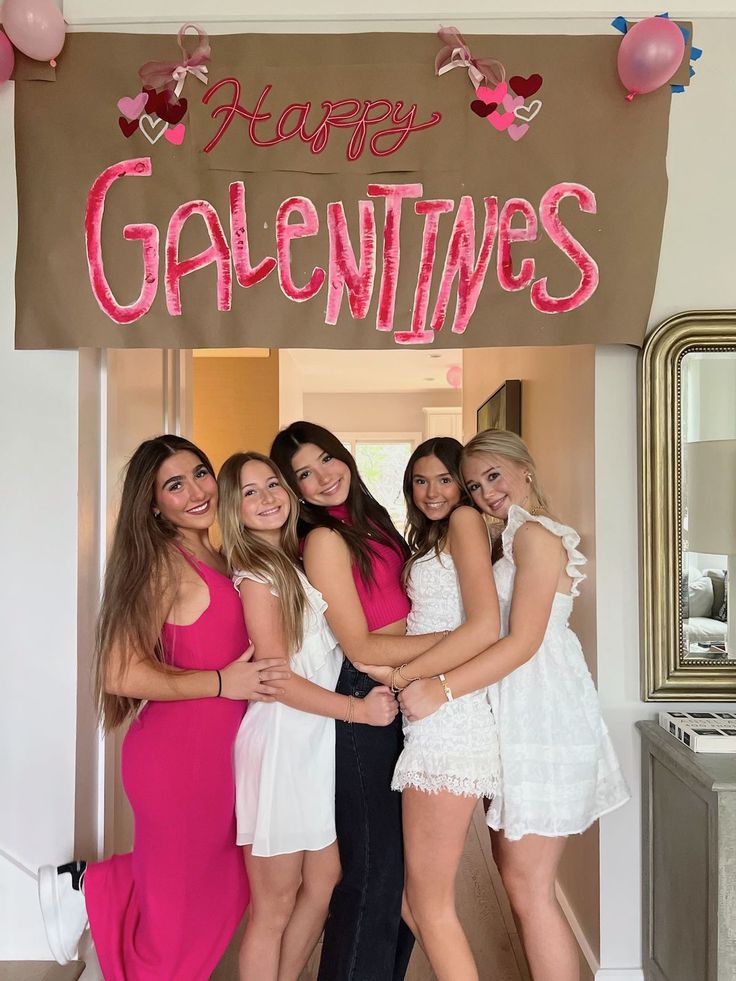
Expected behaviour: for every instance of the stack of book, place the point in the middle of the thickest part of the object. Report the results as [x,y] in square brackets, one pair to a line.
[702,732]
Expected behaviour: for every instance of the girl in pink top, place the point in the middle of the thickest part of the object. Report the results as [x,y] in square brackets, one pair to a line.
[354,556]
[170,661]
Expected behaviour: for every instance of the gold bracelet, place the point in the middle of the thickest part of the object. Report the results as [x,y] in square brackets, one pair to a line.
[349,715]
[445,687]
[392,683]
[403,676]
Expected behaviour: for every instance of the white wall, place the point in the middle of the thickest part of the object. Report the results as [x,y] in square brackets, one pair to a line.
[39,428]
[375,412]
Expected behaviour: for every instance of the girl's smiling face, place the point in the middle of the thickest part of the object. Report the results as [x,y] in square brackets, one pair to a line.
[185,492]
[264,501]
[433,489]
[495,483]
[321,479]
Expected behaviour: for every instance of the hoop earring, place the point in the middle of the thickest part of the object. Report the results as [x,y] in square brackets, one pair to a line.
[156,514]
[529,478]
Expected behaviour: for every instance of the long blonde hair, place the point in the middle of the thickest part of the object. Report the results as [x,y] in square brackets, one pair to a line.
[245,551]
[501,442]
[140,577]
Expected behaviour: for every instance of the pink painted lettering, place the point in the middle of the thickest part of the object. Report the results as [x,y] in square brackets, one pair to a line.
[344,273]
[548,212]
[245,274]
[285,235]
[507,235]
[394,195]
[145,233]
[218,252]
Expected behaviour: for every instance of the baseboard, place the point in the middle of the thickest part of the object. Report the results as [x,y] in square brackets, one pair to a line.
[599,973]
[585,948]
[620,974]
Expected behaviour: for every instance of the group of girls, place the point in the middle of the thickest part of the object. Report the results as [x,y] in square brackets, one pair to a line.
[349,820]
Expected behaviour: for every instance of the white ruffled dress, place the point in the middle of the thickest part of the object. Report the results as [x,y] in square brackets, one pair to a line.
[284,758]
[559,771]
[456,748]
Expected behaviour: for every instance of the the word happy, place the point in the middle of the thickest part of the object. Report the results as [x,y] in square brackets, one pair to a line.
[349,272]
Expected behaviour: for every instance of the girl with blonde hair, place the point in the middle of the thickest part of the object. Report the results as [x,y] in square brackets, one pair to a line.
[559,772]
[285,752]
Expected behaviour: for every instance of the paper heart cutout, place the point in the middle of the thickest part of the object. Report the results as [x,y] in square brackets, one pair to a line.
[526,86]
[128,126]
[527,113]
[165,105]
[175,134]
[488,94]
[172,110]
[483,109]
[516,131]
[131,108]
[501,121]
[511,102]
[153,129]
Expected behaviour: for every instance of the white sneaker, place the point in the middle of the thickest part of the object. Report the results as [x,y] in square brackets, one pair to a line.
[63,908]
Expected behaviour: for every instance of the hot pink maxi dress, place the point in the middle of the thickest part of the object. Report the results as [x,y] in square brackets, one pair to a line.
[167,910]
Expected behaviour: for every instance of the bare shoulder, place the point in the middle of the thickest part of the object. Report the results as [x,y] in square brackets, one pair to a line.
[466,526]
[325,545]
[465,516]
[535,541]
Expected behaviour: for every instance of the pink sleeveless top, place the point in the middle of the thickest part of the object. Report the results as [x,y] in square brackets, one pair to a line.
[384,599]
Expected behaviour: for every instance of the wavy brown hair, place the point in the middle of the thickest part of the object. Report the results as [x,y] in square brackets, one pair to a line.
[140,577]
[245,551]
[423,534]
[368,518]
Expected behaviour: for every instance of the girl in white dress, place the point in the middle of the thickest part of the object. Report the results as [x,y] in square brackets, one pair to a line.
[451,759]
[559,772]
[285,756]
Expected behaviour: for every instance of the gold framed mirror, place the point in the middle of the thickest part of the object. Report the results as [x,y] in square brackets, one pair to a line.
[688,508]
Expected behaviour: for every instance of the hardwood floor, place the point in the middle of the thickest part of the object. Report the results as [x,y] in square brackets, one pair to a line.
[483,908]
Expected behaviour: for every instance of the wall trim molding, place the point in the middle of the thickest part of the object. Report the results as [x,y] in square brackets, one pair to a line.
[620,974]
[583,944]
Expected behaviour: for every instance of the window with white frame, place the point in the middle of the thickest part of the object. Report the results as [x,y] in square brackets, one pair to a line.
[382,460]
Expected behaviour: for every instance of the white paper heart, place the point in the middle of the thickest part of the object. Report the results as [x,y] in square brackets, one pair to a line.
[527,113]
[152,128]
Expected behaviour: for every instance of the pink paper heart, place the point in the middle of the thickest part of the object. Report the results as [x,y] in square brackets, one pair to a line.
[175,134]
[516,131]
[511,102]
[487,94]
[501,121]
[132,108]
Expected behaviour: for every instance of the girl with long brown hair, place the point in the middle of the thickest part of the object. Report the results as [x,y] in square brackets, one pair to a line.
[285,753]
[559,771]
[173,660]
[355,556]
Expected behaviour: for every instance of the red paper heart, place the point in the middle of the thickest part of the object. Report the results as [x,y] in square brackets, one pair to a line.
[172,110]
[483,109]
[525,86]
[128,126]
[165,105]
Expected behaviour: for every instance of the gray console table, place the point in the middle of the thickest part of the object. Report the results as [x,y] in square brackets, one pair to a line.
[689,860]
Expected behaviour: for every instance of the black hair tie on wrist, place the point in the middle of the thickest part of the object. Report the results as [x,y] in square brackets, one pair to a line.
[219,683]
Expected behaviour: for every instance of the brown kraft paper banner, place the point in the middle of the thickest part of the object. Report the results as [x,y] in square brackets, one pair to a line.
[333,192]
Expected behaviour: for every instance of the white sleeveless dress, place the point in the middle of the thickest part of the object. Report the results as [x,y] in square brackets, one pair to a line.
[284,758]
[456,748]
[559,771]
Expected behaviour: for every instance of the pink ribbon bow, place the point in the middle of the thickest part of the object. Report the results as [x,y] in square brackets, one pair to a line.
[164,74]
[456,54]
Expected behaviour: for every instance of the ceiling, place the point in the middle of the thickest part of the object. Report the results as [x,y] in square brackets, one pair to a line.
[375,371]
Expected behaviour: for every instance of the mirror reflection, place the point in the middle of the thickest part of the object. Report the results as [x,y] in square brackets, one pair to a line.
[708,468]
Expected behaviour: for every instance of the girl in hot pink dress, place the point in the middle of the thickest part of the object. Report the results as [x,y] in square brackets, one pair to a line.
[171,643]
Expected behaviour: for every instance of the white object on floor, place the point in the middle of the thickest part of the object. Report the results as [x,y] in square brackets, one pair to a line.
[63,910]
[87,953]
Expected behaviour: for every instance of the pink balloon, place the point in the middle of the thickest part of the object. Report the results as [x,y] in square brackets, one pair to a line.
[35,27]
[7,58]
[650,54]
[454,376]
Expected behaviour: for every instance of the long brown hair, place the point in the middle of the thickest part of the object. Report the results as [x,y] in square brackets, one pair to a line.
[140,576]
[423,534]
[368,518]
[245,551]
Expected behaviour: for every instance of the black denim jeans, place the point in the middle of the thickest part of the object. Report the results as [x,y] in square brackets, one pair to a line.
[365,937]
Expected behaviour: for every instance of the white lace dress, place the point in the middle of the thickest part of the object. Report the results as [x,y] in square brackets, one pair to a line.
[559,771]
[284,758]
[456,748]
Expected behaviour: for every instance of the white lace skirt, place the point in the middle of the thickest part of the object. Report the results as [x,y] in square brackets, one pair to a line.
[455,749]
